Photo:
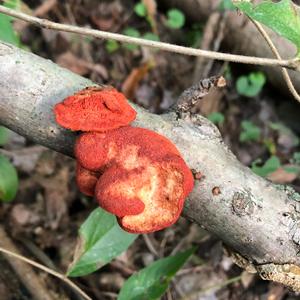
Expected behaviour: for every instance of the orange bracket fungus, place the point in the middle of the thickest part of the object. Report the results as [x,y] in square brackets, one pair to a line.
[94,109]
[134,173]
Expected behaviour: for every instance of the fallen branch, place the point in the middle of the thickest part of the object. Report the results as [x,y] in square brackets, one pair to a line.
[257,220]
[290,63]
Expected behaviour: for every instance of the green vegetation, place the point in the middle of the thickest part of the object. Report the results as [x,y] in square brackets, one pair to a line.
[251,85]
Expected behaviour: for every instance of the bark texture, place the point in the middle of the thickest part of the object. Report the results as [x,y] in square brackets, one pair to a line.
[242,37]
[256,219]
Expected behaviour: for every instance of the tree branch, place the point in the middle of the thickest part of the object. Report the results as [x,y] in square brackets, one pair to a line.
[289,63]
[255,218]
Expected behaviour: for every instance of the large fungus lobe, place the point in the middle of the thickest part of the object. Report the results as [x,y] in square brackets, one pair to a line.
[94,109]
[134,173]
[145,181]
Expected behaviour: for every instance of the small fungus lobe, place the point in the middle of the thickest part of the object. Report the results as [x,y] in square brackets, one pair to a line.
[134,173]
[94,109]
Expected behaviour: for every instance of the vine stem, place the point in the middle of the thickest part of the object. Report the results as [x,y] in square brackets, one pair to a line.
[44,23]
[276,53]
[50,271]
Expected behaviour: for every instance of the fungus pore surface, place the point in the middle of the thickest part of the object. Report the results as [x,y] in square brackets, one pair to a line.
[134,173]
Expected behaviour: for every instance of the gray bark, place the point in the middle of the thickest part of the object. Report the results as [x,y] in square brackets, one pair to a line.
[241,37]
[255,218]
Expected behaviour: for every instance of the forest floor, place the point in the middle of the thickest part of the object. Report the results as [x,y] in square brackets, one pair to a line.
[261,129]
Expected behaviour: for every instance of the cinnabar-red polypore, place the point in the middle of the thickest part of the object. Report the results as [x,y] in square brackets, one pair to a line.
[94,109]
[134,173]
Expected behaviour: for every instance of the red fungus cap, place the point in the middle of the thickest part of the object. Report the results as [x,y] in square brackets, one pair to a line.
[145,181]
[94,109]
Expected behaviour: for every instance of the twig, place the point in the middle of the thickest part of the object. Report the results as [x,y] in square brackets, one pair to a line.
[49,271]
[203,66]
[273,48]
[44,259]
[150,245]
[44,23]
[44,8]
[33,283]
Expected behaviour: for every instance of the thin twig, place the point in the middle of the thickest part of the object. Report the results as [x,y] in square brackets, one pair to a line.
[150,245]
[276,53]
[49,271]
[44,8]
[290,63]
[33,283]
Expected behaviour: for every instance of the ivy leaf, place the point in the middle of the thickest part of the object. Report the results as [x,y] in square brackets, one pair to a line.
[250,132]
[133,33]
[226,5]
[4,135]
[140,9]
[251,85]
[8,180]
[296,158]
[111,46]
[270,166]
[7,33]
[282,17]
[216,118]
[100,240]
[151,36]
[176,18]
[151,282]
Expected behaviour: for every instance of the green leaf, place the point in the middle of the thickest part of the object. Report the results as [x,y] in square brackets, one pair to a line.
[100,240]
[194,35]
[140,9]
[226,5]
[296,157]
[251,85]
[112,46]
[250,132]
[151,36]
[216,118]
[8,180]
[175,18]
[292,169]
[7,33]
[151,282]
[270,166]
[4,135]
[282,17]
[133,33]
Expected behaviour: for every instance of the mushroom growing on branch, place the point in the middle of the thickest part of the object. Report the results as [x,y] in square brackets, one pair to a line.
[94,109]
[134,173]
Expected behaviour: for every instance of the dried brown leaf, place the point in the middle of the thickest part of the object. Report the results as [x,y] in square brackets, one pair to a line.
[133,79]
[77,65]
[69,61]
[282,176]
